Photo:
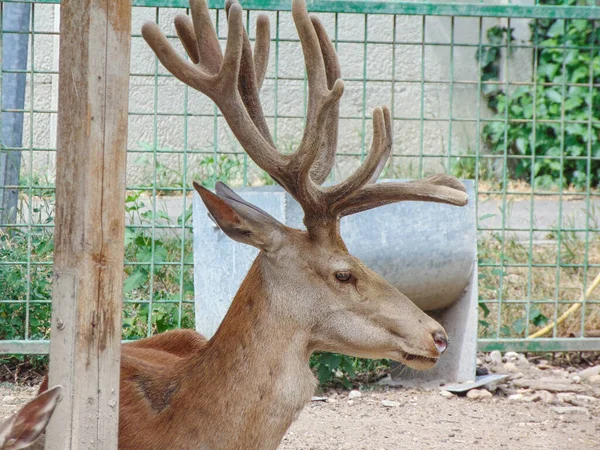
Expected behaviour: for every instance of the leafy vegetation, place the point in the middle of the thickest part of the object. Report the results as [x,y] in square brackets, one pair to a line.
[550,126]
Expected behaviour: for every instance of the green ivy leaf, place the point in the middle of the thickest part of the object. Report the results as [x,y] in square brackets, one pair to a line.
[553,95]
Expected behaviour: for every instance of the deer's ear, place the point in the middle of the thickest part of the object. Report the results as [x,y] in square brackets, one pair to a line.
[242,221]
[31,420]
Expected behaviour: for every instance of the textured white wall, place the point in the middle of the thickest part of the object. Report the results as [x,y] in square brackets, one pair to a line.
[433,97]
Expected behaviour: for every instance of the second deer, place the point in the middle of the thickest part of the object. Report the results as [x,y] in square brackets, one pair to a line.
[304,292]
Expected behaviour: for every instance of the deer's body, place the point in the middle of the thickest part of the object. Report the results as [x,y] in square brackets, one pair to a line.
[304,292]
[228,393]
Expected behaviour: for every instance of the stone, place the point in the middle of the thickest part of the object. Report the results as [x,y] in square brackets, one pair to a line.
[350,402]
[595,379]
[354,394]
[390,403]
[586,398]
[496,357]
[549,384]
[446,394]
[566,397]
[575,378]
[531,398]
[515,398]
[546,397]
[589,372]
[560,372]
[570,410]
[479,394]
[510,367]
[511,356]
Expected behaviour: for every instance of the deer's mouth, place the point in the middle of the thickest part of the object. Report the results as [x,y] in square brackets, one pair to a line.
[411,359]
[417,362]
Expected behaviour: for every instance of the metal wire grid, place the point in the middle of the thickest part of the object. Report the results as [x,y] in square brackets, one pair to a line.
[366,11]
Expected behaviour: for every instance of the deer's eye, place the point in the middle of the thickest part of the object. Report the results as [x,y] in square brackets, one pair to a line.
[343,276]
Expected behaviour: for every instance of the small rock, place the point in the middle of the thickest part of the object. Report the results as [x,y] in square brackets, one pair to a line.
[544,366]
[531,398]
[590,372]
[354,394]
[390,403]
[566,397]
[9,400]
[586,398]
[575,378]
[510,367]
[350,402]
[570,410]
[515,398]
[496,357]
[595,379]
[511,356]
[479,362]
[546,397]
[560,372]
[446,394]
[331,400]
[479,394]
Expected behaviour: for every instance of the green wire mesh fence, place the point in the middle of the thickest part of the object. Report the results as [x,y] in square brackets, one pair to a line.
[504,94]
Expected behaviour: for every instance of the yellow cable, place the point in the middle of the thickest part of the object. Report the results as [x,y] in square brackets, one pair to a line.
[568,312]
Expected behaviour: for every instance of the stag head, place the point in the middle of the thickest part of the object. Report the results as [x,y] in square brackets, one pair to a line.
[315,283]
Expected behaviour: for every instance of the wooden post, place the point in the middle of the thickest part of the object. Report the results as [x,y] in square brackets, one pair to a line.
[89,234]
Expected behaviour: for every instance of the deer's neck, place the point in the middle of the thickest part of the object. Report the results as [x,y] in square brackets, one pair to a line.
[254,373]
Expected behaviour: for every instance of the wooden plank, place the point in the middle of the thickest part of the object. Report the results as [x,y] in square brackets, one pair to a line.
[89,235]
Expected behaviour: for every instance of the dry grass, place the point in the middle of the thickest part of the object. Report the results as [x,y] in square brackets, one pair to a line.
[541,274]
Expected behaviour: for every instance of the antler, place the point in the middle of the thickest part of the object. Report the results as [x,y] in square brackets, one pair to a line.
[233,81]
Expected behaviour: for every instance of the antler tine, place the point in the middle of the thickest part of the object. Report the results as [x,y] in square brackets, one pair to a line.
[187,36]
[248,85]
[326,157]
[207,41]
[373,163]
[261,48]
[321,99]
[217,76]
[438,188]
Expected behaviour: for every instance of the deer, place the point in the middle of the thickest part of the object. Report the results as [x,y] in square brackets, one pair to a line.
[304,292]
[24,428]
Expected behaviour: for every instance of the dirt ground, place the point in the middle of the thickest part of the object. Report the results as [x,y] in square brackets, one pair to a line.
[426,420]
[381,417]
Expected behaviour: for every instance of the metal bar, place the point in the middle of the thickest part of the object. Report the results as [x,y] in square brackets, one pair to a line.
[14,47]
[540,345]
[483,345]
[393,7]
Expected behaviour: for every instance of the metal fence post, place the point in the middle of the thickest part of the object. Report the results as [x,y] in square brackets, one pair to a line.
[15,28]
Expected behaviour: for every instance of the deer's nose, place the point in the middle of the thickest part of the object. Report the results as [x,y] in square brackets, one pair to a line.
[441,341]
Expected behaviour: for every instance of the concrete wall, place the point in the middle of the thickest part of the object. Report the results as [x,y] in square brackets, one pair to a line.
[436,135]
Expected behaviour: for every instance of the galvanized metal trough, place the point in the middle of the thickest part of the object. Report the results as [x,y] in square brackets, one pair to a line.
[426,250]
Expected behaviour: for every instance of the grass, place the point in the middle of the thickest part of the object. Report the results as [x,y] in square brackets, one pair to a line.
[526,276]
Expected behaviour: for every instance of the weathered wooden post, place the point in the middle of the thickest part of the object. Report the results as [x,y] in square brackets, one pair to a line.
[90,196]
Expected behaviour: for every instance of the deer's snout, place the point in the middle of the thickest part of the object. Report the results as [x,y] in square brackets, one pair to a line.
[440,340]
